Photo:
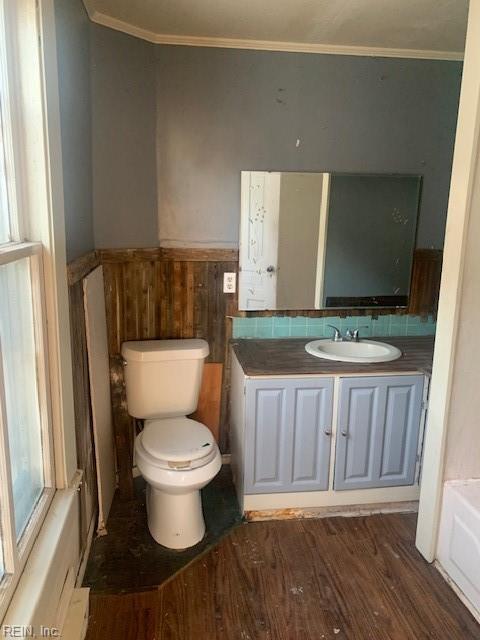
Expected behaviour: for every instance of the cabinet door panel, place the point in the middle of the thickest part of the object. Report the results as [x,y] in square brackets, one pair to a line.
[286,447]
[379,423]
[266,435]
[356,435]
[400,441]
[312,424]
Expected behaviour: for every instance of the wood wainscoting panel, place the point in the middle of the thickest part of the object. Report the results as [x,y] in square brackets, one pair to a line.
[160,294]
[77,270]
[83,414]
[157,298]
[123,428]
[81,267]
[101,404]
[209,403]
[425,283]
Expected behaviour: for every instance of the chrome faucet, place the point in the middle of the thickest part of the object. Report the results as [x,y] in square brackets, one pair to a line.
[337,336]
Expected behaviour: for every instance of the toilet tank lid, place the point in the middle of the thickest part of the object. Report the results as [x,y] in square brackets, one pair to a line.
[157,350]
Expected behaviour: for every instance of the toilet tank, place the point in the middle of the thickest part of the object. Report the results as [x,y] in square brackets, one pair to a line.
[163,377]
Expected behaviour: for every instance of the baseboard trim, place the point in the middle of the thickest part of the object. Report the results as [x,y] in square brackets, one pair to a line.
[335,511]
[86,553]
[76,622]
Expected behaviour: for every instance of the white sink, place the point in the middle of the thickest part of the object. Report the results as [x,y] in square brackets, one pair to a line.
[350,351]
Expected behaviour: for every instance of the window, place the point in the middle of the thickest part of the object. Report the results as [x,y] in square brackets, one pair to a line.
[26,458]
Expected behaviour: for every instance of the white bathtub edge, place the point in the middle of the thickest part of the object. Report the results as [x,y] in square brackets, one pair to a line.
[458,544]
[458,592]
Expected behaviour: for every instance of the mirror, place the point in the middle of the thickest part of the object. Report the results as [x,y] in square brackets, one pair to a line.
[326,240]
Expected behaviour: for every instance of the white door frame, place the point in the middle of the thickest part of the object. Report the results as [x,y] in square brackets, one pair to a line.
[467,148]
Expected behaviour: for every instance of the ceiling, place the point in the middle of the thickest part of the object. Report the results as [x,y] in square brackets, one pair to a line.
[401,28]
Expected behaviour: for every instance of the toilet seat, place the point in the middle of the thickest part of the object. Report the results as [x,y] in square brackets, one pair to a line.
[177,443]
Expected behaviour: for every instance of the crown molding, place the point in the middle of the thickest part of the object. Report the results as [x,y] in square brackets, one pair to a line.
[90,9]
[263,45]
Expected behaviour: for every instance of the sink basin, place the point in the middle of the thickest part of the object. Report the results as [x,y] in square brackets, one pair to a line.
[365,351]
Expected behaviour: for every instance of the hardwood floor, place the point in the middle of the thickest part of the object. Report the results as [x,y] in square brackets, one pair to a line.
[336,578]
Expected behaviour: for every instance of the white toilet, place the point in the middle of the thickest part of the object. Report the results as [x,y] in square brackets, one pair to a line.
[177,456]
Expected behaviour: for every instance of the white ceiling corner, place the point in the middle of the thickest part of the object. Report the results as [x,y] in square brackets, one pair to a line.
[431,29]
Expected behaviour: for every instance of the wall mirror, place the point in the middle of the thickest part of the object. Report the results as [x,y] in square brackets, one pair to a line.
[326,240]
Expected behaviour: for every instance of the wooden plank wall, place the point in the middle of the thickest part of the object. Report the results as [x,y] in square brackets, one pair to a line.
[164,293]
[81,396]
[178,293]
[425,283]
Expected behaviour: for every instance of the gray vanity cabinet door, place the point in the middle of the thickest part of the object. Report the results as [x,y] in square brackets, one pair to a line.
[266,445]
[311,434]
[287,440]
[378,429]
[358,433]
[403,412]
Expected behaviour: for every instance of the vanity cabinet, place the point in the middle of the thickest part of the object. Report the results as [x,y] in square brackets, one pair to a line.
[287,434]
[377,431]
[326,436]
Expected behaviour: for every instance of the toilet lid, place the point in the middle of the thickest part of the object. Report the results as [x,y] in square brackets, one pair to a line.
[177,439]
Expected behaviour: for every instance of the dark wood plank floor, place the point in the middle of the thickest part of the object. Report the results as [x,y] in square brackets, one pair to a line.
[336,578]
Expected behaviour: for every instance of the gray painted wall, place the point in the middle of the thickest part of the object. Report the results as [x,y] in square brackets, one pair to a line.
[220,111]
[173,127]
[73,50]
[124,155]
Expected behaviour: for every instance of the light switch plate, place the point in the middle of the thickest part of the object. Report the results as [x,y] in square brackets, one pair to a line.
[229,282]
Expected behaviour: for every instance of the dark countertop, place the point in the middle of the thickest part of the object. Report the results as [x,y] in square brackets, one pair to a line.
[287,356]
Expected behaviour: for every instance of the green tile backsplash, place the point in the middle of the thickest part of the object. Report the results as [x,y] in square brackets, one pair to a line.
[301,326]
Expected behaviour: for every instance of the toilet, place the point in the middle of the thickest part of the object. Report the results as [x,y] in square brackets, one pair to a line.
[177,456]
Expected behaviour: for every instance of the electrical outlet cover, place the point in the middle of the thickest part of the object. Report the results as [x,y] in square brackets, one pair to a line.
[229,282]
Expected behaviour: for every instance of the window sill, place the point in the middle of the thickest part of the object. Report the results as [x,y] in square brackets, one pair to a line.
[46,584]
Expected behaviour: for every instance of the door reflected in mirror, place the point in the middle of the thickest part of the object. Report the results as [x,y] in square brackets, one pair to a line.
[326,240]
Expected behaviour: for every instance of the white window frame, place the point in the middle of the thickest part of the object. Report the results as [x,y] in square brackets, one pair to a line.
[32,110]
[15,554]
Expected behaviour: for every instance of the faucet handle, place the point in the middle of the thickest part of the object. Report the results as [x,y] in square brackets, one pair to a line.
[337,336]
[355,334]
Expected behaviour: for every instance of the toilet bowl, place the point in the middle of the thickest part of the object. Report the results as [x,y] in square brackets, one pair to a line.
[174,506]
[176,455]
